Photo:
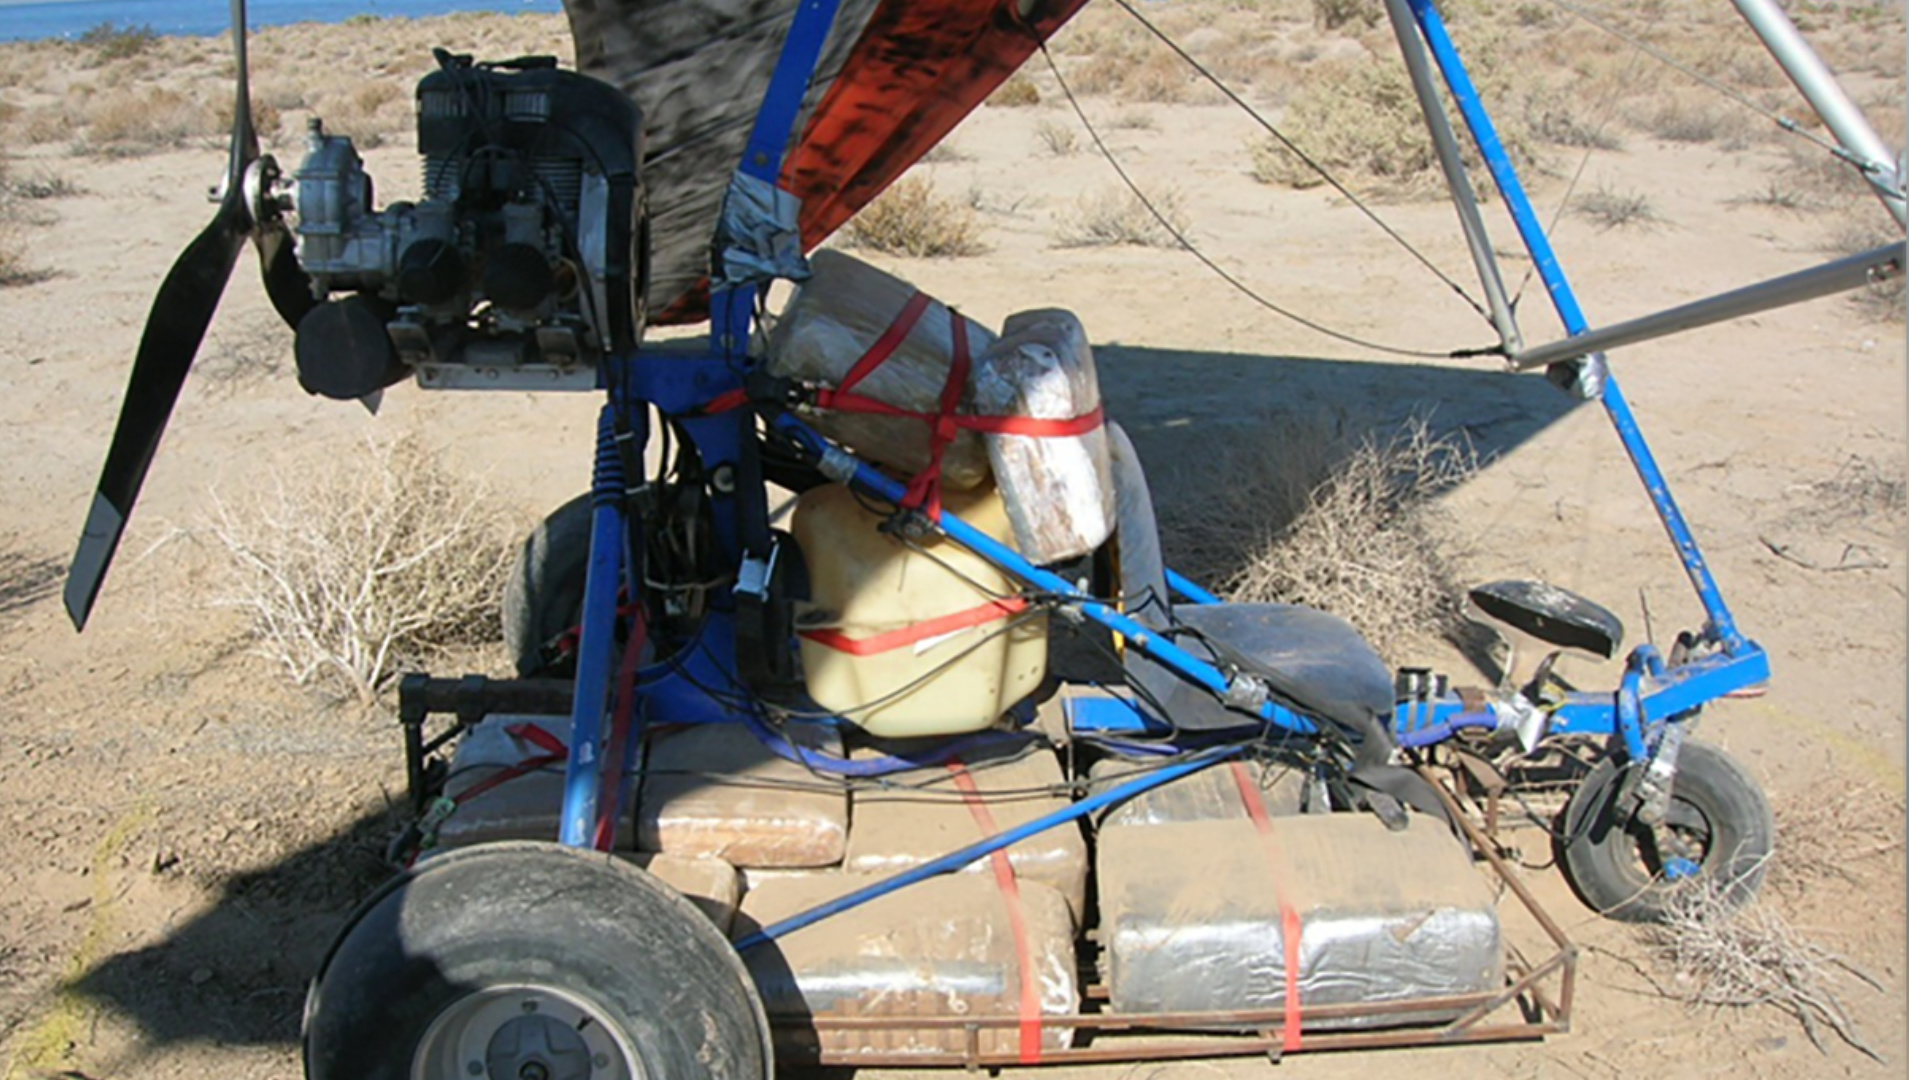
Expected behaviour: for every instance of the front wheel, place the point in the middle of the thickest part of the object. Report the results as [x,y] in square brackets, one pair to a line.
[529,961]
[1717,829]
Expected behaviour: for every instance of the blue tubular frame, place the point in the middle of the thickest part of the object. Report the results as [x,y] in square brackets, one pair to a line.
[1722,625]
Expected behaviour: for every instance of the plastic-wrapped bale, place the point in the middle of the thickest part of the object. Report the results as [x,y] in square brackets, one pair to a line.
[833,320]
[1193,917]
[929,815]
[714,886]
[949,946]
[525,806]
[1059,487]
[714,790]
[1220,793]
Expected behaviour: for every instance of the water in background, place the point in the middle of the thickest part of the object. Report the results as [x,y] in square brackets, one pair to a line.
[71,18]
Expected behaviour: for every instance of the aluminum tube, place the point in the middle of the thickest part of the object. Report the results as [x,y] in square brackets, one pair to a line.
[1826,96]
[1464,198]
[1833,277]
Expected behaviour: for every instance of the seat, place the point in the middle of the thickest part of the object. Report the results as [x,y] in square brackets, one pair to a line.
[1312,658]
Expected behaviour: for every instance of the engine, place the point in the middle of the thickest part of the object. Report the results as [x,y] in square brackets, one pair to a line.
[522,265]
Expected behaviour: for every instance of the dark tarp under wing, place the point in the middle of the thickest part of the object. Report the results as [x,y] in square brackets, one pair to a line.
[895,77]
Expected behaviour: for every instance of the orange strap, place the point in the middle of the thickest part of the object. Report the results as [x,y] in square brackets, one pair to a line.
[1289,925]
[921,631]
[1017,918]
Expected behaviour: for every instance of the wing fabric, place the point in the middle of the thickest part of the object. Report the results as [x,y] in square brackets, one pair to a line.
[895,77]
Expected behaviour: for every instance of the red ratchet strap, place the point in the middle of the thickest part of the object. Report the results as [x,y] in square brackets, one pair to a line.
[554,752]
[924,491]
[1289,925]
[891,640]
[1017,918]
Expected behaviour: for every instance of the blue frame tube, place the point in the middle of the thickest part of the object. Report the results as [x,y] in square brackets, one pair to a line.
[1723,626]
[955,860]
[1186,665]
[596,647]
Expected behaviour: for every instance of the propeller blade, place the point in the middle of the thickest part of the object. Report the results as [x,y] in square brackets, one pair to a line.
[245,138]
[285,281]
[181,312]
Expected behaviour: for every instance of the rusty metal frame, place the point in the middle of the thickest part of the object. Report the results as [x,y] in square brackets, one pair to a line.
[1248,1032]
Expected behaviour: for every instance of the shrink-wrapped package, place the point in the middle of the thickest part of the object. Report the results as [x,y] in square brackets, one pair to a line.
[928,817]
[831,323]
[525,806]
[714,790]
[949,946]
[1194,916]
[1058,487]
[711,884]
[1219,793]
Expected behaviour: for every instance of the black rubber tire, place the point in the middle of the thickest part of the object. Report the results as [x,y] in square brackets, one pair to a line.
[544,596]
[1609,857]
[523,913]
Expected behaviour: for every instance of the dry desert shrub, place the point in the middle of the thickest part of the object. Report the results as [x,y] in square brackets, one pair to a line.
[911,219]
[110,42]
[1693,117]
[1018,91]
[1613,208]
[1749,957]
[350,575]
[1837,833]
[1116,215]
[124,122]
[1058,139]
[1361,121]
[1300,515]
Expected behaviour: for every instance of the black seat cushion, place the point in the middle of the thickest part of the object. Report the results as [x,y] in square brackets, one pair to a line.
[1314,659]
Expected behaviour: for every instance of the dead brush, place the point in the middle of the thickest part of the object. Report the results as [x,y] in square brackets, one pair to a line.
[912,219]
[1834,836]
[1307,516]
[1115,216]
[1752,957]
[351,574]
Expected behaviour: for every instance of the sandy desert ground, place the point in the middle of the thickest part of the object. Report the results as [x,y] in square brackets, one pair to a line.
[181,830]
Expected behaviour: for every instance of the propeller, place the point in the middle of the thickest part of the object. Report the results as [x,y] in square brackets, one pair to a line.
[181,312]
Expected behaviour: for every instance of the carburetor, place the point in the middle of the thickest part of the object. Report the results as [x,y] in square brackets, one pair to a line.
[522,265]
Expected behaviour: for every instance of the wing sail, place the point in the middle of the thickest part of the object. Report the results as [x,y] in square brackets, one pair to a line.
[895,77]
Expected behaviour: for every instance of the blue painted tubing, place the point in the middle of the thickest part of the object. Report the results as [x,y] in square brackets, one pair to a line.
[597,646]
[955,860]
[1445,729]
[1187,588]
[882,765]
[775,120]
[1138,636]
[1485,134]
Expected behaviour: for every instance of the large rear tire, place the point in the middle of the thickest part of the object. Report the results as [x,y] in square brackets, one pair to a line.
[544,596]
[1717,828]
[528,960]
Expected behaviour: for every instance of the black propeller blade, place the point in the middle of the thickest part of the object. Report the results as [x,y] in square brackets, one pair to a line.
[181,312]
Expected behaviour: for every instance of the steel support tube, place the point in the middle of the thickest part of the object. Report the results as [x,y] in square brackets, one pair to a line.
[596,648]
[1825,94]
[1464,198]
[1841,275]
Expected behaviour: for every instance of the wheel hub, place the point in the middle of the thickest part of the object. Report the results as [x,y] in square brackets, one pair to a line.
[523,1033]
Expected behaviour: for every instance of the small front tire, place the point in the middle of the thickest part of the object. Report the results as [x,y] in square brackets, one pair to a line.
[1718,828]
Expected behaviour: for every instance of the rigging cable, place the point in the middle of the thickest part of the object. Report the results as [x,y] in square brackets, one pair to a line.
[1245,290]
[1659,55]
[1293,148]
